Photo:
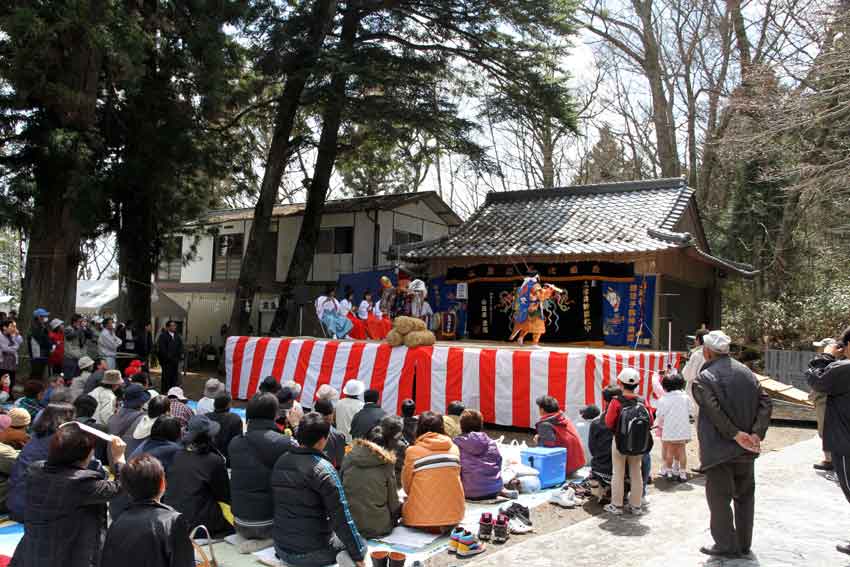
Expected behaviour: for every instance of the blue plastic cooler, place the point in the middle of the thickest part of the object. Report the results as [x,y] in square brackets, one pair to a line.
[550,462]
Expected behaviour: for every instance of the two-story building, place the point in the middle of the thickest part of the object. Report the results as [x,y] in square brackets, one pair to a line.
[357,235]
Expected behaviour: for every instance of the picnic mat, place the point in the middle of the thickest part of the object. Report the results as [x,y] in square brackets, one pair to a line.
[10,535]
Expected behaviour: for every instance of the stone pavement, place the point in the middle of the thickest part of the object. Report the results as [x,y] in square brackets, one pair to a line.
[800,517]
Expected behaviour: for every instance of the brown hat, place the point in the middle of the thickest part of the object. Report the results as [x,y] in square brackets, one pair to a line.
[112,378]
[20,417]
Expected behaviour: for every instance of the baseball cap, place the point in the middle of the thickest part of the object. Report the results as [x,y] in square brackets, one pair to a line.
[176,392]
[629,376]
[717,341]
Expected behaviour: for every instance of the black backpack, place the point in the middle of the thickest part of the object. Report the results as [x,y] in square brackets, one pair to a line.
[633,435]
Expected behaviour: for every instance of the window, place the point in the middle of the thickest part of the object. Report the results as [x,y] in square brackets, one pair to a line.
[171,261]
[404,237]
[228,256]
[337,240]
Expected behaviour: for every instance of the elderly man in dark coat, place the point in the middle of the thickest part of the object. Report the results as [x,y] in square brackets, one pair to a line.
[733,419]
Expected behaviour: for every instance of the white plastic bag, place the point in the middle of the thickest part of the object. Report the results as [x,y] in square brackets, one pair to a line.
[511,452]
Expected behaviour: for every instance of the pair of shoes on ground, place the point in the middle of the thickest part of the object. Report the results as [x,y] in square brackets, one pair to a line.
[388,559]
[672,475]
[565,498]
[714,551]
[463,543]
[497,530]
[611,508]
[519,518]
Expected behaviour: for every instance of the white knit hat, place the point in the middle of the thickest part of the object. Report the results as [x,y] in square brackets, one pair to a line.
[717,341]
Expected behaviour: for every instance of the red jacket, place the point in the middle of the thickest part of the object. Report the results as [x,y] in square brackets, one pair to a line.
[555,430]
[612,416]
[58,353]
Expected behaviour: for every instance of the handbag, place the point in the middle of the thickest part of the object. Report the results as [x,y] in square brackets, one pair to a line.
[202,558]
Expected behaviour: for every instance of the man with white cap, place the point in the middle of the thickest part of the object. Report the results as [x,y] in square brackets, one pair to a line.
[733,420]
[348,406]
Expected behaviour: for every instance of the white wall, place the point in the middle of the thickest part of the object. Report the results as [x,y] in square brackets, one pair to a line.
[199,269]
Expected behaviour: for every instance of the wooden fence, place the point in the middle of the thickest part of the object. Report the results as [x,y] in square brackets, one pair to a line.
[788,366]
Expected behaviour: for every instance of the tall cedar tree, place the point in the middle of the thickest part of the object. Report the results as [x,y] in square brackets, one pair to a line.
[506,42]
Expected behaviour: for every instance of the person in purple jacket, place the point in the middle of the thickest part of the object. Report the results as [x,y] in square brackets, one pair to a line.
[480,460]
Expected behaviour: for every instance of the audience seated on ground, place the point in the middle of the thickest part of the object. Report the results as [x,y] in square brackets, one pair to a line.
[335,447]
[197,479]
[16,434]
[230,424]
[43,430]
[431,478]
[55,383]
[106,397]
[8,456]
[369,416]
[451,421]
[31,400]
[312,522]
[327,392]
[143,379]
[368,476]
[588,414]
[392,439]
[157,406]
[212,389]
[99,369]
[163,442]
[253,456]
[480,460]
[84,408]
[269,385]
[178,407]
[348,406]
[148,533]
[86,365]
[295,388]
[65,519]
[411,422]
[554,429]
[124,421]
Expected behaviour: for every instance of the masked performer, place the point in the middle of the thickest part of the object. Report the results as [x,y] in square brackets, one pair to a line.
[331,315]
[528,309]
[419,306]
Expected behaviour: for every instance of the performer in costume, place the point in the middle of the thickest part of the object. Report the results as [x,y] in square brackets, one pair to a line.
[358,327]
[528,309]
[331,315]
[419,306]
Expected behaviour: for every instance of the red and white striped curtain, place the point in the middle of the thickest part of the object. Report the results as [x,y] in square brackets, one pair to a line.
[502,383]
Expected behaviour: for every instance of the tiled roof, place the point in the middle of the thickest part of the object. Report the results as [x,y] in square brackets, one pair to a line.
[635,216]
[379,202]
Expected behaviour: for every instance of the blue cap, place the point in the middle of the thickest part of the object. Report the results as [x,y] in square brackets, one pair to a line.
[40,313]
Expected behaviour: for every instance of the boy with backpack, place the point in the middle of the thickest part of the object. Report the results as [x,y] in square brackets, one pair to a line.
[631,421]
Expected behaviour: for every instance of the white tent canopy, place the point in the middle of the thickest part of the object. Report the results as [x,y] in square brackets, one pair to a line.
[94,294]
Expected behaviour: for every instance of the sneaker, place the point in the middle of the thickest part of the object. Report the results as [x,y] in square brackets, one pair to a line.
[517,510]
[517,526]
[485,526]
[510,494]
[635,510]
[501,531]
[468,545]
[456,534]
[683,476]
[644,502]
[564,498]
[612,509]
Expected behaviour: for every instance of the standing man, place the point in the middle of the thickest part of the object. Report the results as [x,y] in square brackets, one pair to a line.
[829,374]
[144,344]
[169,350]
[75,347]
[695,362]
[733,420]
[819,399]
[39,344]
[108,343]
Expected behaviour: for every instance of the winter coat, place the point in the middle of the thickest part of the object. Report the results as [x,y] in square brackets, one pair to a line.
[123,423]
[35,450]
[231,427]
[335,448]
[65,522]
[480,465]
[368,476]
[831,377]
[78,384]
[197,482]
[163,451]
[108,343]
[39,341]
[431,479]
[148,534]
[730,400]
[556,430]
[310,506]
[599,444]
[57,355]
[93,381]
[169,349]
[253,456]
[8,456]
[345,410]
[75,342]
[105,404]
[366,419]
[9,347]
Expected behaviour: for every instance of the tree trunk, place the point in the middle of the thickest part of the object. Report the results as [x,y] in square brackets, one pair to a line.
[547,150]
[257,250]
[305,247]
